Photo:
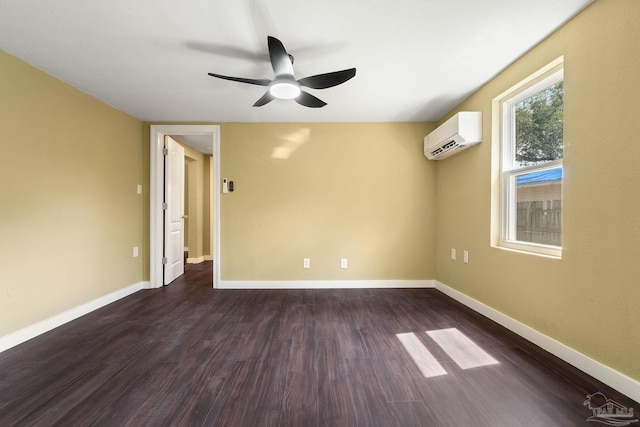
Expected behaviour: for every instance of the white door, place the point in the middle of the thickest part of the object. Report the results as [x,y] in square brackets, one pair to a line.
[174,212]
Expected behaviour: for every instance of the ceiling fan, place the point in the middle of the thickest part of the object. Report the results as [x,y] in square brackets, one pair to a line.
[285,85]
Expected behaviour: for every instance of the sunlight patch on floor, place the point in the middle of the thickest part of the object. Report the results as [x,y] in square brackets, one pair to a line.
[461,349]
[425,361]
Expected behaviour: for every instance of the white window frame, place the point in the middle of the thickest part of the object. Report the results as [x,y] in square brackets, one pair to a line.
[508,171]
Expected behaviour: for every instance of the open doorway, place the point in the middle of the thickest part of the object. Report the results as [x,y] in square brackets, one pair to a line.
[201,133]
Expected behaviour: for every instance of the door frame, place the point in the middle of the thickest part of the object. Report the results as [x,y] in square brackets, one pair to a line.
[156,195]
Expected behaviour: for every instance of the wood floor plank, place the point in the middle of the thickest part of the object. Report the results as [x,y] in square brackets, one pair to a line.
[253,392]
[369,406]
[125,382]
[299,403]
[50,402]
[413,414]
[192,407]
[189,355]
[333,400]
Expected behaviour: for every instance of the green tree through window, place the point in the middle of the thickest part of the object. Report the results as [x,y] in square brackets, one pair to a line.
[539,120]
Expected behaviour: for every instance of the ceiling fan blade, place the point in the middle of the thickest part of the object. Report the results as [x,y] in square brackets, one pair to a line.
[279,57]
[309,100]
[265,99]
[326,80]
[259,82]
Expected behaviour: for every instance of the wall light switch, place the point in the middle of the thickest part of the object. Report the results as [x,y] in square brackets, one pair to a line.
[306,263]
[453,254]
[344,263]
[466,257]
[139,189]
[135,251]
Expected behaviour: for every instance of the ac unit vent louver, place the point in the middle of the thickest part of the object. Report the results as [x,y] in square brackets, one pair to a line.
[460,132]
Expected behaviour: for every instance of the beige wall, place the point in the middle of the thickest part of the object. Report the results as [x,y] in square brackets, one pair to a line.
[327,191]
[340,193]
[589,299]
[69,212]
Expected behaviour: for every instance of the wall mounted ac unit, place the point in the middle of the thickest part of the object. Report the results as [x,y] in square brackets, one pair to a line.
[460,132]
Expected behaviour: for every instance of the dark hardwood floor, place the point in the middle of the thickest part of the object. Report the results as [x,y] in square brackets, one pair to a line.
[188,355]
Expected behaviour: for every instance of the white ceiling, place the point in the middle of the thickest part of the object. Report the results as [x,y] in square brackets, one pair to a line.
[415,59]
[202,143]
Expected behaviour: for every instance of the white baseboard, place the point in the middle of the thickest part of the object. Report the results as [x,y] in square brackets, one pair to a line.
[25,334]
[324,284]
[601,372]
[197,260]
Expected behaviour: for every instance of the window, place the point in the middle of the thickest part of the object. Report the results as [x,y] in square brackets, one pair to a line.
[531,147]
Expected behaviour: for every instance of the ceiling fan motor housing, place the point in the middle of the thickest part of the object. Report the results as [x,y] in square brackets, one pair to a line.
[285,85]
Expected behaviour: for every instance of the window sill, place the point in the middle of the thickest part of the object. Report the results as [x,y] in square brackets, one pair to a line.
[545,251]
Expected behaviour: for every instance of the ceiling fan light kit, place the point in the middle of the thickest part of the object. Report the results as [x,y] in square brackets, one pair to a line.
[285,85]
[283,89]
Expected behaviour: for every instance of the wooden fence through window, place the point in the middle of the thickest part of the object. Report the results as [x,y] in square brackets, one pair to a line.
[540,222]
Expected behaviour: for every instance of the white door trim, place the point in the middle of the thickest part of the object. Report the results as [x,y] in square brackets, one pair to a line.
[156,188]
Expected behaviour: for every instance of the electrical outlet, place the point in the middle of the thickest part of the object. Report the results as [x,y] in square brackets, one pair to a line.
[453,254]
[135,251]
[306,263]
[344,263]
[466,257]
[139,189]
